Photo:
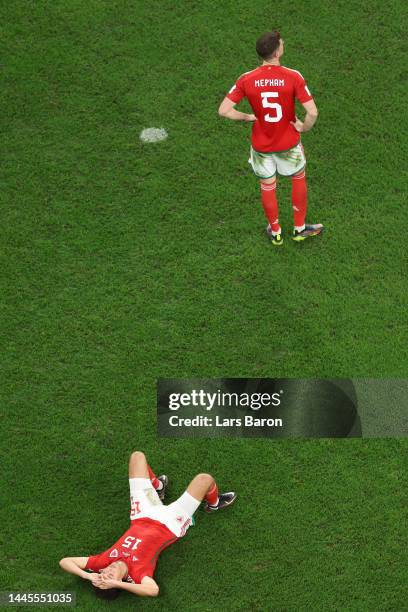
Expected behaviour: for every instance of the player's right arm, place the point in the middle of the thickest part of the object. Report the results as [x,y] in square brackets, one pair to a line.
[233,97]
[76,566]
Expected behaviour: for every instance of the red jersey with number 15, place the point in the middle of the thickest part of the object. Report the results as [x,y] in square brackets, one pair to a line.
[271,91]
[139,547]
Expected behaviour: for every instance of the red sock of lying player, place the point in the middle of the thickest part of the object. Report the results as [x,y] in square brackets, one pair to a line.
[212,496]
[155,481]
[299,200]
[270,205]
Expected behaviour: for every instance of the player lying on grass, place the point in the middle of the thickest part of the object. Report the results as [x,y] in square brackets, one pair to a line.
[271,90]
[130,562]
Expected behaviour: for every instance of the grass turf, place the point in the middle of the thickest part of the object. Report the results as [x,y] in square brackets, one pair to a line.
[123,262]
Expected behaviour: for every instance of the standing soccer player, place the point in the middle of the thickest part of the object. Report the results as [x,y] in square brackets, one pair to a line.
[271,90]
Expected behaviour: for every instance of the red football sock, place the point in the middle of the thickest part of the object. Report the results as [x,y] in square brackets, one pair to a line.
[299,199]
[212,496]
[155,481]
[270,205]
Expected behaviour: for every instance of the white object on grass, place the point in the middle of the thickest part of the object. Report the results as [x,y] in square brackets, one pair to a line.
[153,134]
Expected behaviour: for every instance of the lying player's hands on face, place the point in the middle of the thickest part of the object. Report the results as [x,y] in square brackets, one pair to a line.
[298,125]
[108,583]
[94,578]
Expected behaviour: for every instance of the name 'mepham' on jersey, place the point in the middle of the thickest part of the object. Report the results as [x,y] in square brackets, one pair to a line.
[139,547]
[271,91]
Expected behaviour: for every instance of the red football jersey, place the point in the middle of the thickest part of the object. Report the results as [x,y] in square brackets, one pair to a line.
[271,91]
[139,547]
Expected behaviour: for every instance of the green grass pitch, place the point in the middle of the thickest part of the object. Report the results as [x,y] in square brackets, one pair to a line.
[124,262]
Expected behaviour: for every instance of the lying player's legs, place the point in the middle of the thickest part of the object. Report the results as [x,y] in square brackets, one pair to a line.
[138,466]
[201,486]
[146,489]
[178,516]
[204,487]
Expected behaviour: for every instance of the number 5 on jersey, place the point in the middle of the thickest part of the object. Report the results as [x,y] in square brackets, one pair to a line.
[275,105]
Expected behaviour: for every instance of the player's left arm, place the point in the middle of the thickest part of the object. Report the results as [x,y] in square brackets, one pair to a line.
[147,588]
[310,117]
[303,95]
[227,110]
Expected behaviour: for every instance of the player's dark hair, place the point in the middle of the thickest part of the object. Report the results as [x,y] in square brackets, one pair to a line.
[108,594]
[267,44]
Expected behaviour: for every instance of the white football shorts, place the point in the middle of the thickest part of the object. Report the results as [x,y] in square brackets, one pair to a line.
[145,503]
[285,163]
